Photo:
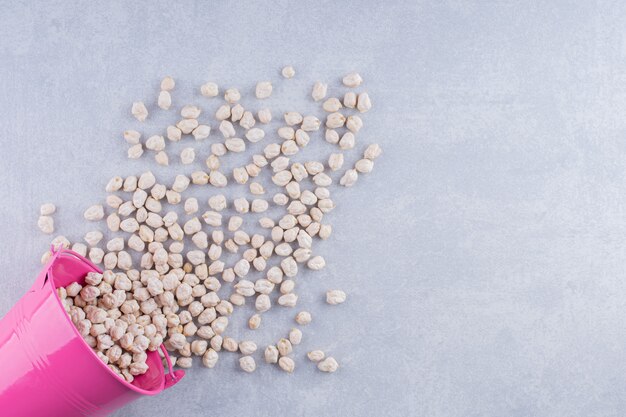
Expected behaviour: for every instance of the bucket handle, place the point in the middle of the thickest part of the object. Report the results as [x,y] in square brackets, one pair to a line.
[173,377]
[56,252]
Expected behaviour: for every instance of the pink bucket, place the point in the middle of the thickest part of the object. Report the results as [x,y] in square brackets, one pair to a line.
[47,369]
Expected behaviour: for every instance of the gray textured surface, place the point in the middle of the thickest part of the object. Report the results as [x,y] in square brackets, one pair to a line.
[483,258]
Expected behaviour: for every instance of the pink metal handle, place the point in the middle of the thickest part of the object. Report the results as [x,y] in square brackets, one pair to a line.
[56,254]
[173,377]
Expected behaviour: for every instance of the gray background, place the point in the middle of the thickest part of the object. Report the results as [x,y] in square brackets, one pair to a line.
[483,257]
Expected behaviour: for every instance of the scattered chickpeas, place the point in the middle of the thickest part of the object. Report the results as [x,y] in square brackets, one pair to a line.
[168,84]
[263,89]
[335,297]
[46,224]
[295,336]
[171,293]
[372,152]
[209,90]
[364,103]
[139,111]
[364,166]
[232,95]
[316,355]
[265,116]
[335,161]
[132,137]
[287,364]
[352,80]
[349,100]
[303,318]
[319,91]
[329,365]
[247,364]
[94,213]
[254,322]
[165,100]
[332,105]
[288,72]
[47,209]
[349,178]
[271,354]
[187,156]
[209,359]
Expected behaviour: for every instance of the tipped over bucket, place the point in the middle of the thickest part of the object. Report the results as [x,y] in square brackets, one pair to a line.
[47,369]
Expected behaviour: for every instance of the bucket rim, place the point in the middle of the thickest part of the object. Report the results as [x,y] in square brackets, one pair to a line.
[50,282]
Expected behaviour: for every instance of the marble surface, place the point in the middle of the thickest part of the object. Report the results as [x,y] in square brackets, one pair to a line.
[483,257]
